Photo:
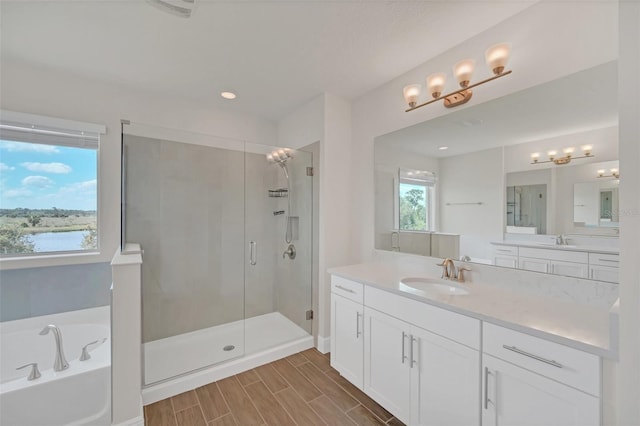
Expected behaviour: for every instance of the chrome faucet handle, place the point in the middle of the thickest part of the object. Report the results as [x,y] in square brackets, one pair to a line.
[85,353]
[35,373]
[461,270]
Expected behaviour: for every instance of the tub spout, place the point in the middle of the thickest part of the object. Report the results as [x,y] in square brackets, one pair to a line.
[60,362]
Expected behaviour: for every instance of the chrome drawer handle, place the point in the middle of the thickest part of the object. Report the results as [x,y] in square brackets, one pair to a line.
[530,355]
[345,289]
[609,260]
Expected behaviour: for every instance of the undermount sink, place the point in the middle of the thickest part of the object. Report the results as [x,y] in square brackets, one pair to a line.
[426,286]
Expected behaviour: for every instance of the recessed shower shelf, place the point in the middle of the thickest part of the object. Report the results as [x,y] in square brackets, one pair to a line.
[279,193]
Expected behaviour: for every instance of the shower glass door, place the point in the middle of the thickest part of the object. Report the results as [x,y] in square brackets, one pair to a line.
[278,246]
[214,218]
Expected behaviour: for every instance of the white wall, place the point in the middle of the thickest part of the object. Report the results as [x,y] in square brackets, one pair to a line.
[629,93]
[473,178]
[32,89]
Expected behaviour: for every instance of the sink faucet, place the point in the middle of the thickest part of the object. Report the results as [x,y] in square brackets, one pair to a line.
[450,272]
[60,362]
[448,269]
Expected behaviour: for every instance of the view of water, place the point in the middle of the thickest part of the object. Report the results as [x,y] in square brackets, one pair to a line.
[58,241]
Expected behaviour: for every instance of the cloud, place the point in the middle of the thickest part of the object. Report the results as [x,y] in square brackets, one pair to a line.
[59,168]
[16,193]
[88,186]
[28,147]
[5,168]
[37,181]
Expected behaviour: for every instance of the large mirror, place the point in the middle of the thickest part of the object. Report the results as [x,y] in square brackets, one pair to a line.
[466,183]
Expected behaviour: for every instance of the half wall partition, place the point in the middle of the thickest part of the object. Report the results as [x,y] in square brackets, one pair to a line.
[212,216]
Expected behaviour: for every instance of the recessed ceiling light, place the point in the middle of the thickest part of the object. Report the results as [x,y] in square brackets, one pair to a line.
[442,148]
[228,95]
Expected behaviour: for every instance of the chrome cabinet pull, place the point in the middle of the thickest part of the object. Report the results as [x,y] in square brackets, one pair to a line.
[411,353]
[530,355]
[358,332]
[348,290]
[486,388]
[608,260]
[404,335]
[253,252]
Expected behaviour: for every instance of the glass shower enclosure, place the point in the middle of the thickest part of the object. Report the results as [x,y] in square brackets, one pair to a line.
[226,232]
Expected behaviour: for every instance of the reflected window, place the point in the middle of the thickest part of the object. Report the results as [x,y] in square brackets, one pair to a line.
[416,207]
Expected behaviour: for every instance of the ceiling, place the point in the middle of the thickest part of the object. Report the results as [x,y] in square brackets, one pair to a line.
[276,55]
[577,103]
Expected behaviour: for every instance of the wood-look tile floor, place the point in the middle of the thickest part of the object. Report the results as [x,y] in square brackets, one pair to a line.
[301,389]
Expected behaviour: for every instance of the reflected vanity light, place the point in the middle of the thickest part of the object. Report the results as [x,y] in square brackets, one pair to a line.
[496,57]
[279,156]
[615,173]
[565,159]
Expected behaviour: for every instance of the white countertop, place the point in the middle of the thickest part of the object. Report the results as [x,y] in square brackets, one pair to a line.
[588,328]
[583,248]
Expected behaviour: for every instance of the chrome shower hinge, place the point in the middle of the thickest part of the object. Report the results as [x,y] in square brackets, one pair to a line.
[309,171]
[309,315]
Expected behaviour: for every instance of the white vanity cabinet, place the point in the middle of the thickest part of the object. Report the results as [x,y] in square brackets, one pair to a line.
[560,262]
[505,256]
[418,375]
[527,380]
[604,267]
[347,320]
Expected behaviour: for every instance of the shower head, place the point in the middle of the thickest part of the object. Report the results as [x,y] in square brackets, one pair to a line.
[280,156]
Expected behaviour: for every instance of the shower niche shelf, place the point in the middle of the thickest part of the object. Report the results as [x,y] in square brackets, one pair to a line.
[278,193]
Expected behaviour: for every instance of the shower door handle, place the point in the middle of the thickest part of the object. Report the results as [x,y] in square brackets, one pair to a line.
[253,253]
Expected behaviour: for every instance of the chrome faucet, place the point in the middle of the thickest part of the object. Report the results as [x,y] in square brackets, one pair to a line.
[60,362]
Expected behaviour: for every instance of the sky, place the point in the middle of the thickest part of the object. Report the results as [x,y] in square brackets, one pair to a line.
[37,176]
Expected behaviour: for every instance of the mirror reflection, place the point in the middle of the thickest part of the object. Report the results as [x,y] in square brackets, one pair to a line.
[521,181]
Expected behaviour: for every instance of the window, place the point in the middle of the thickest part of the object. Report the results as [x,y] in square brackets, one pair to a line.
[416,200]
[48,189]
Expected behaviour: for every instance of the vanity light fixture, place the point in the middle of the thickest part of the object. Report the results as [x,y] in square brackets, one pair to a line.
[496,57]
[565,159]
[615,173]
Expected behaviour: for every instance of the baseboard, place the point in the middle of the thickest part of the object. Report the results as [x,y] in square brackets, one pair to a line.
[324,344]
[136,421]
[187,382]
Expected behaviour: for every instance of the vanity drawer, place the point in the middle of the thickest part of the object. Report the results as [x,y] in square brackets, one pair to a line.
[451,325]
[555,254]
[558,362]
[509,250]
[604,259]
[347,288]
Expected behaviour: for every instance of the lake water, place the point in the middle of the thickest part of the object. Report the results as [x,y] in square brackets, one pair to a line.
[58,241]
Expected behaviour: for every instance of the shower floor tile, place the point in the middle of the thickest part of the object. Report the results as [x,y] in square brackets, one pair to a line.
[269,395]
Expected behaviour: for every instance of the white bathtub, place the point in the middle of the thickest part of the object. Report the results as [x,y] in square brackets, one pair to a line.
[79,395]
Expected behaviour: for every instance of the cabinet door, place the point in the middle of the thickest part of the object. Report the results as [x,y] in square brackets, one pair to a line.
[569,269]
[445,385]
[604,273]
[506,261]
[515,396]
[347,348]
[533,264]
[387,372]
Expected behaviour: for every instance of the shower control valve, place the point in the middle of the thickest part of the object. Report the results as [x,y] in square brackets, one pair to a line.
[290,251]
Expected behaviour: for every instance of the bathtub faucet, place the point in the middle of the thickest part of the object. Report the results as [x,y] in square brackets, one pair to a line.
[60,362]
